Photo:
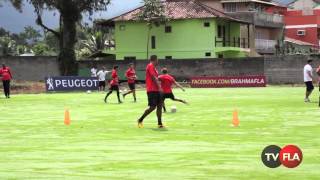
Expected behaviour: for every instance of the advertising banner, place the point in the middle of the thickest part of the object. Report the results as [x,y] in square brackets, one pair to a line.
[71,83]
[228,81]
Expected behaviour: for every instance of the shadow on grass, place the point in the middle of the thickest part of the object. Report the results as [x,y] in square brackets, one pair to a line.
[159,129]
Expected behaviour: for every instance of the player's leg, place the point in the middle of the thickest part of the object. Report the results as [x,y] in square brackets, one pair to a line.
[99,89]
[108,94]
[124,95]
[180,100]
[164,106]
[171,96]
[134,95]
[131,87]
[159,114]
[4,88]
[309,90]
[152,104]
[104,86]
[118,94]
[8,88]
[146,113]
[159,100]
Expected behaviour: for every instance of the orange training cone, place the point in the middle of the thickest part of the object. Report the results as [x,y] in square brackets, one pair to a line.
[235,120]
[67,120]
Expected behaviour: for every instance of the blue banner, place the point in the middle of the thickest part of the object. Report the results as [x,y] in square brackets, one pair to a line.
[71,83]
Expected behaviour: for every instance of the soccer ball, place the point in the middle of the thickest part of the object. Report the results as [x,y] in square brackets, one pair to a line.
[88,92]
[173,109]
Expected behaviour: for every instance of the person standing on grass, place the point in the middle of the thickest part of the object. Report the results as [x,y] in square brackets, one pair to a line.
[131,76]
[6,75]
[153,92]
[114,84]
[308,76]
[166,84]
[93,71]
[102,78]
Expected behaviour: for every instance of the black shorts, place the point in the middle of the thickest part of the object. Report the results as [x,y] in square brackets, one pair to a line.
[168,96]
[102,84]
[154,98]
[132,86]
[309,85]
[114,88]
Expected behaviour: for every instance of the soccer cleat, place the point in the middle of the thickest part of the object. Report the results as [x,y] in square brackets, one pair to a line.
[140,125]
[161,126]
[306,100]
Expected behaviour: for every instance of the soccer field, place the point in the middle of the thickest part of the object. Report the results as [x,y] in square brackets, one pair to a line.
[103,141]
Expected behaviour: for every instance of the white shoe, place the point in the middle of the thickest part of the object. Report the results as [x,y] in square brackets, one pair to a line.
[306,100]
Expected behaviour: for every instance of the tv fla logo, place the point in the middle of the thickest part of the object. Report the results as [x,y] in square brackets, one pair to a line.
[289,156]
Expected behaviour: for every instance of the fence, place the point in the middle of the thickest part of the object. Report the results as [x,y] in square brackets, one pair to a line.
[278,70]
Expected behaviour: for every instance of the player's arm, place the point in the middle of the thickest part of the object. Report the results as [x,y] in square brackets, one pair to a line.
[178,85]
[309,74]
[154,77]
[10,74]
[156,81]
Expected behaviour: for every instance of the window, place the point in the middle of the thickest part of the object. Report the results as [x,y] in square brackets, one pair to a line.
[230,7]
[301,32]
[168,57]
[153,42]
[129,58]
[168,29]
[122,27]
[206,24]
[208,54]
[221,31]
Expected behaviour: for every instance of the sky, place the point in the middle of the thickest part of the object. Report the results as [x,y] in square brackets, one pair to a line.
[14,21]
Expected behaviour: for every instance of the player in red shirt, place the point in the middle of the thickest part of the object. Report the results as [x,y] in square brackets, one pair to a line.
[153,92]
[6,75]
[114,84]
[131,76]
[166,84]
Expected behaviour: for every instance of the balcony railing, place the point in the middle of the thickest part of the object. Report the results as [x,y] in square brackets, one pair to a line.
[233,42]
[265,44]
[260,18]
[274,18]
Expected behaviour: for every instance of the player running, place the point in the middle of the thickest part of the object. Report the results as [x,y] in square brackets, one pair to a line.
[131,76]
[114,84]
[166,84]
[153,92]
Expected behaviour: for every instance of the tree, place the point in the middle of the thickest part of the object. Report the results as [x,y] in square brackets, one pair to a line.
[7,46]
[3,32]
[31,35]
[70,13]
[153,13]
[96,42]
[42,49]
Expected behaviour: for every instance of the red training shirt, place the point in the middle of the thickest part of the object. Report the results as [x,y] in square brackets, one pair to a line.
[6,74]
[166,83]
[115,79]
[150,85]
[131,75]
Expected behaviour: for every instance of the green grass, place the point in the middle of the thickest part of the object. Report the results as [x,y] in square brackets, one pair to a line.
[103,141]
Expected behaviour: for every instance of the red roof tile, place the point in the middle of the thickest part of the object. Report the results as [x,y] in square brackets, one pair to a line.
[179,9]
